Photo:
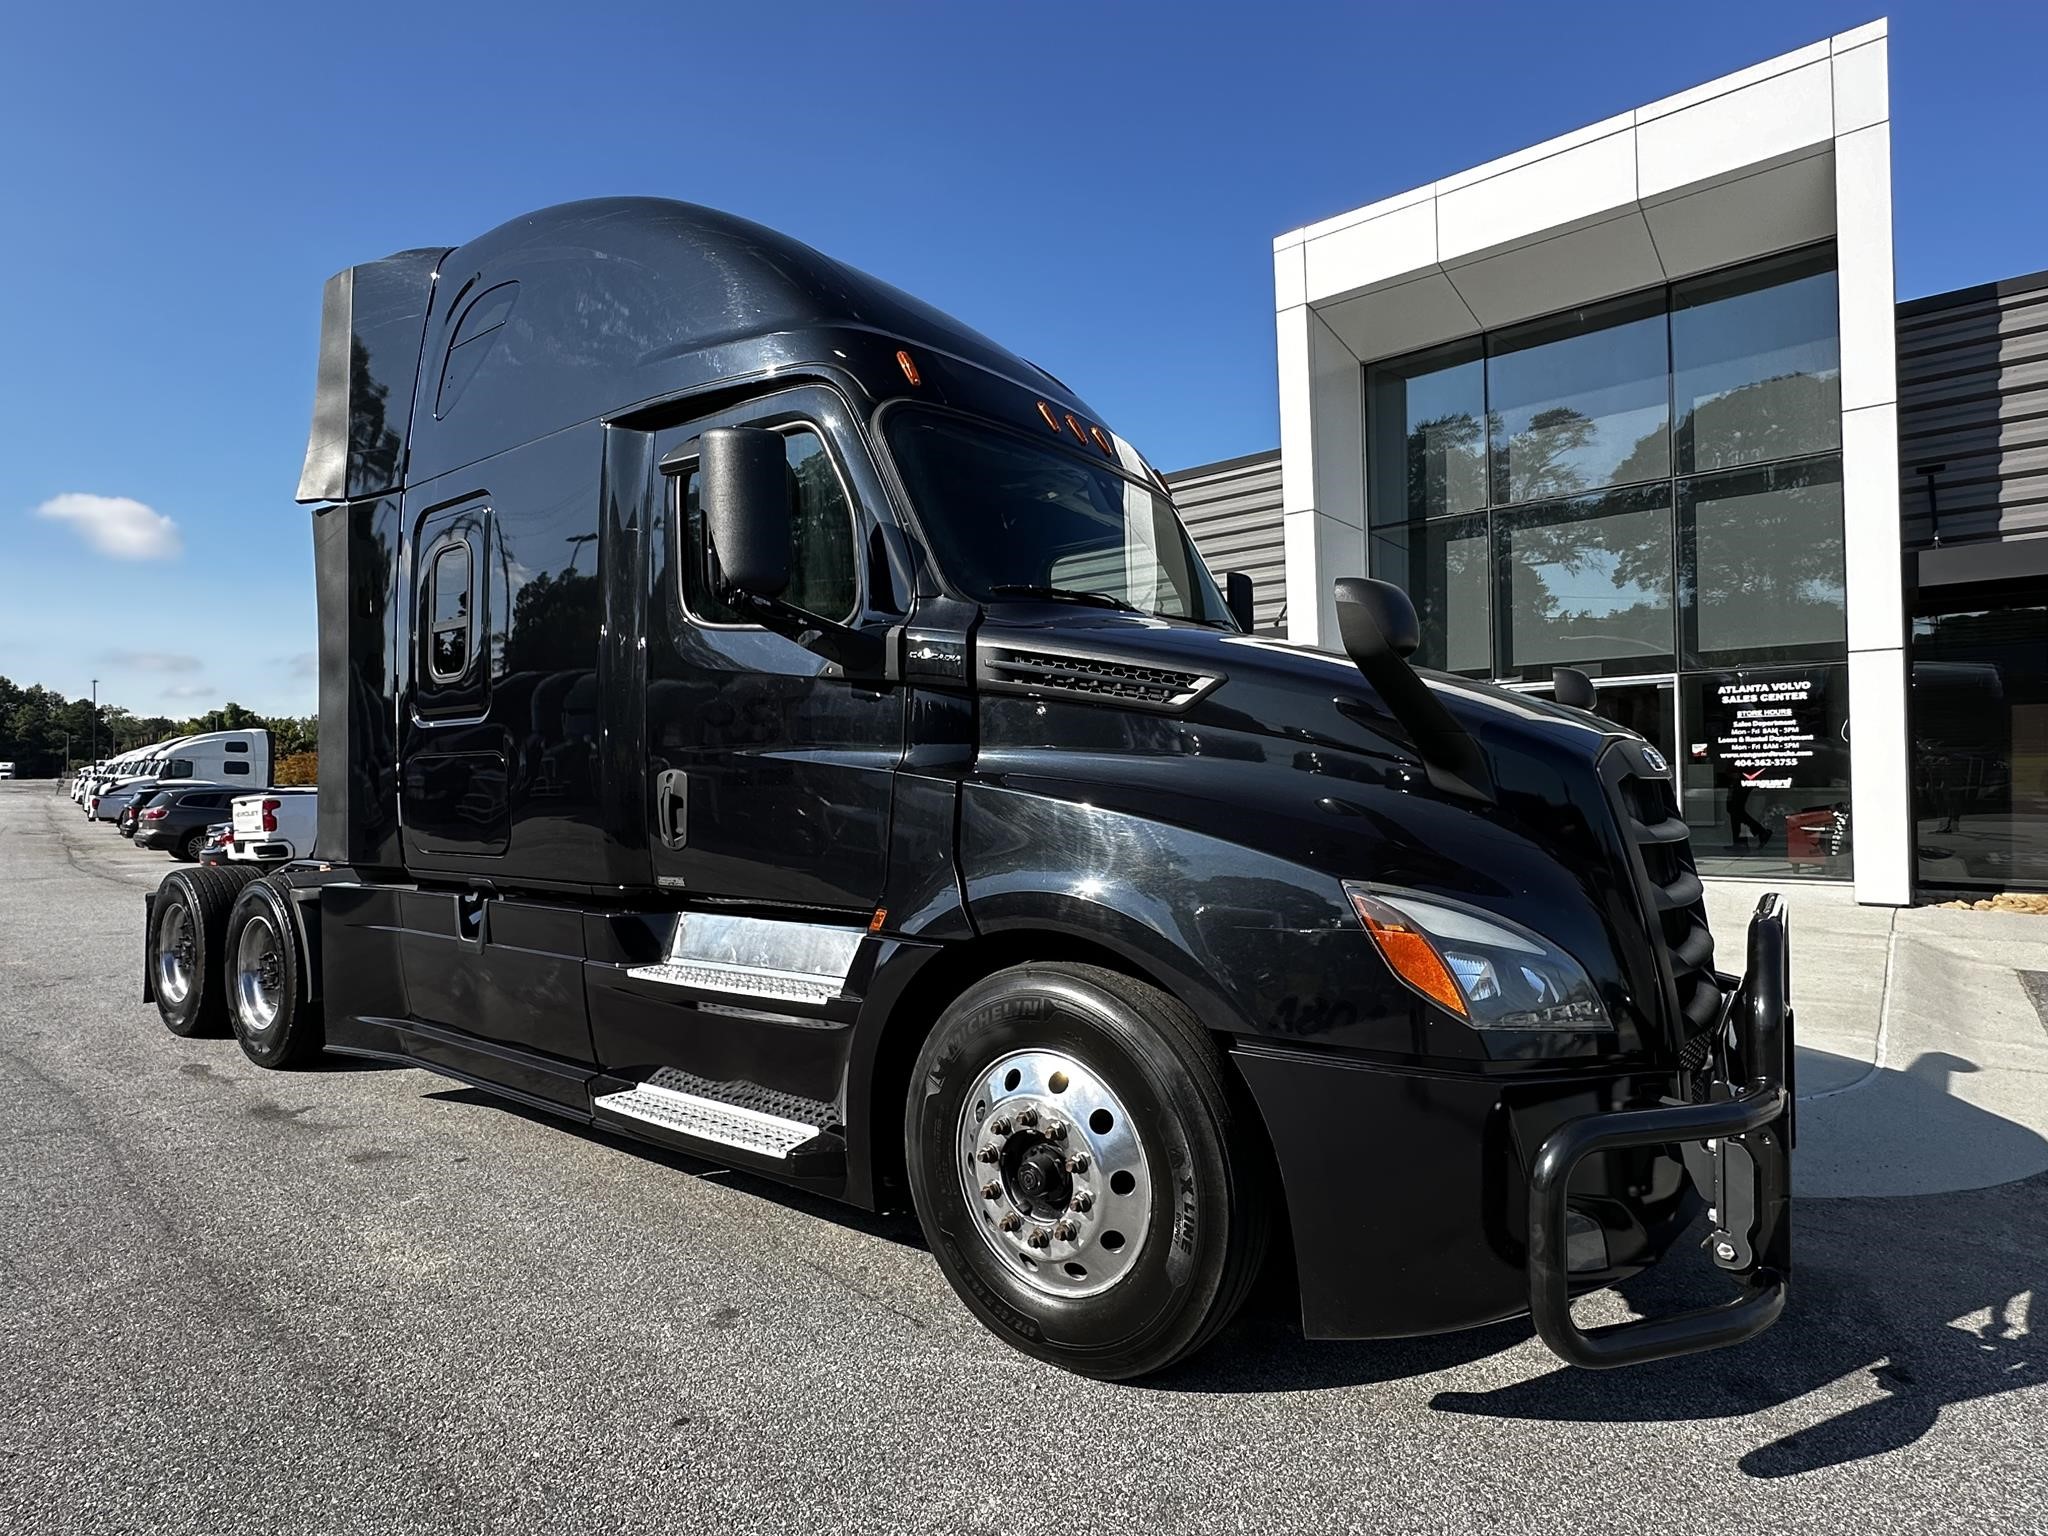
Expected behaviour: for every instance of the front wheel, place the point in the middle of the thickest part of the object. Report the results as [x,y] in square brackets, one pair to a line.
[1081,1169]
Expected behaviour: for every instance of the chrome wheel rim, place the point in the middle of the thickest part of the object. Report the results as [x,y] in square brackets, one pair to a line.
[259,975]
[1054,1172]
[176,956]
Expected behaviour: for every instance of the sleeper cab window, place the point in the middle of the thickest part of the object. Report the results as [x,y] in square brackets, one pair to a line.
[821,564]
[449,607]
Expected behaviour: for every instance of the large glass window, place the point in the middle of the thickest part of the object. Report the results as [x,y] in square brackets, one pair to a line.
[1446,568]
[1580,401]
[1648,489]
[1760,564]
[1756,364]
[1587,583]
[1980,746]
[1428,448]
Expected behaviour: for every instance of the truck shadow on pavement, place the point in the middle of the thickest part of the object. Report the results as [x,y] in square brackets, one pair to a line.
[1922,1300]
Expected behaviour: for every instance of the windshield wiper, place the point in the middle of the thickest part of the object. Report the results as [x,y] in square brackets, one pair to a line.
[1064,595]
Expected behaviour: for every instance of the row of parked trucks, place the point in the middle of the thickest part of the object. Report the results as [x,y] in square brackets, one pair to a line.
[205,798]
[765,718]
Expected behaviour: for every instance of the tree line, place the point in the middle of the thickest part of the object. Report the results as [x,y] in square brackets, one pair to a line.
[44,734]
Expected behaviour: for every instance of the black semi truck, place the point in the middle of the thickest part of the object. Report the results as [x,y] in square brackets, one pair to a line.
[762,716]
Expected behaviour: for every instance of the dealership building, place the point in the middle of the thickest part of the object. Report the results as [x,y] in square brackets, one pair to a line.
[1641,400]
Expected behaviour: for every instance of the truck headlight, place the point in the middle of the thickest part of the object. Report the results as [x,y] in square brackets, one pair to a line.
[1490,972]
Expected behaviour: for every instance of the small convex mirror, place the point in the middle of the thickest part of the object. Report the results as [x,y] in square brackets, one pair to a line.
[744,487]
[1240,598]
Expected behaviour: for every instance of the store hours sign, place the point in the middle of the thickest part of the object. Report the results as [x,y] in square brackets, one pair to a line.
[1768,732]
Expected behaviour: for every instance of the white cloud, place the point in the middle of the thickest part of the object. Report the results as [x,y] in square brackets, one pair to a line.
[151,661]
[189,691]
[116,525]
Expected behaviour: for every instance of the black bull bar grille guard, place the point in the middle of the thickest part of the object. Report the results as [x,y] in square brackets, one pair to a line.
[1740,1155]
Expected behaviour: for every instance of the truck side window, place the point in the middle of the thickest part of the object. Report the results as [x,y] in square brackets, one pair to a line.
[448,608]
[821,568]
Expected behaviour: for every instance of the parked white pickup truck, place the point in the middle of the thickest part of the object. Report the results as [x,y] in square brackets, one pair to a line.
[274,826]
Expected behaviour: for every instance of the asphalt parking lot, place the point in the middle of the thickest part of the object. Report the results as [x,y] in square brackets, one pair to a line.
[360,1298]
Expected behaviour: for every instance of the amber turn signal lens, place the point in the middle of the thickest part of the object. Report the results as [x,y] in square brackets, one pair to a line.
[909,368]
[1408,950]
[1050,419]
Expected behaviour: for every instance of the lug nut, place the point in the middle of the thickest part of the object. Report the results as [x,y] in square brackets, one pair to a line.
[999,1127]
[989,1154]
[1027,1117]
[1078,1163]
[1066,1231]
[1082,1200]
[1038,1237]
[1010,1221]
[1056,1130]
[990,1191]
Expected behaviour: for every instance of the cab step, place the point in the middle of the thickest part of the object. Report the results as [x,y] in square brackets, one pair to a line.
[762,959]
[736,981]
[667,1100]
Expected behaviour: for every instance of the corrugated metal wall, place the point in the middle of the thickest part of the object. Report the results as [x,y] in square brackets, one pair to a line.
[1973,397]
[1233,511]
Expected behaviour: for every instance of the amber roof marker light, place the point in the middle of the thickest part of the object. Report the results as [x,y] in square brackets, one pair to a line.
[909,366]
[1102,441]
[1050,419]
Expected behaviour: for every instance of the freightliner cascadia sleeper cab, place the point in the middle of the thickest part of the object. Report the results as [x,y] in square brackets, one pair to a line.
[762,716]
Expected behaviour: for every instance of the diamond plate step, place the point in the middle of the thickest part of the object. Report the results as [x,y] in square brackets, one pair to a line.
[663,1100]
[780,986]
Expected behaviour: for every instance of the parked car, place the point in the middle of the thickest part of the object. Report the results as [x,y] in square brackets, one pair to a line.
[125,822]
[274,826]
[6,770]
[178,820]
[112,803]
[220,841]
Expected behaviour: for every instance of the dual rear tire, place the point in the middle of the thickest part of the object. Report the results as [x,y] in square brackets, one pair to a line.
[223,950]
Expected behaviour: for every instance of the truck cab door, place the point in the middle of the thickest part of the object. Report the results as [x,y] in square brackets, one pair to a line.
[770,772]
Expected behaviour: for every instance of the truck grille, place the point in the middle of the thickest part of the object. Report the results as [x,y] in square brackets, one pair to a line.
[1650,817]
[1021,669]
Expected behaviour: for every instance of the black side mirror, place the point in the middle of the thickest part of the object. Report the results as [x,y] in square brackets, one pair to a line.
[1380,631]
[1376,619]
[1240,598]
[744,488]
[1568,685]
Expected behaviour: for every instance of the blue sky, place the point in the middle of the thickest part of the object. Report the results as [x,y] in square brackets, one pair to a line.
[1096,186]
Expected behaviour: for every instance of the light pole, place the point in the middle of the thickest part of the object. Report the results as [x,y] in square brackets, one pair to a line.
[95,719]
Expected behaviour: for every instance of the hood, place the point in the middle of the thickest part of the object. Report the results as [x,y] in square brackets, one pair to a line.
[1289,751]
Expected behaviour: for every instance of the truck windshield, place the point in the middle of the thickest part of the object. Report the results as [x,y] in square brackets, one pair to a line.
[1011,518]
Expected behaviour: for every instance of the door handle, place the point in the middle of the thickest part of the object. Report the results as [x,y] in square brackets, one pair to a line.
[672,807]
